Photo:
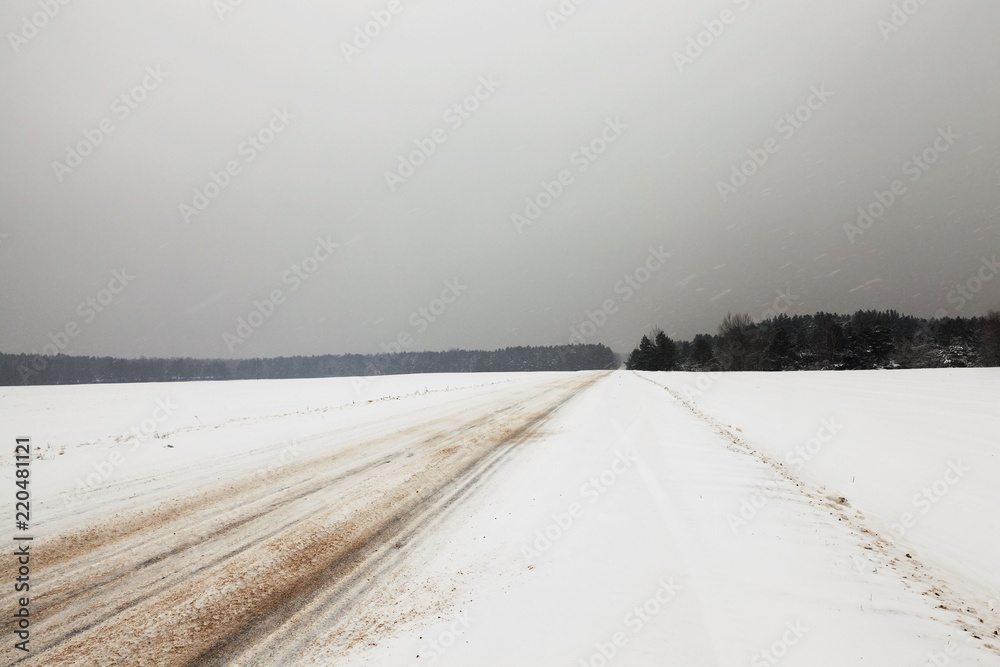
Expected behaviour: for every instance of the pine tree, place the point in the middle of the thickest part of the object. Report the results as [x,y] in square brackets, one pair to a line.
[739,348]
[701,351]
[665,352]
[989,339]
[643,357]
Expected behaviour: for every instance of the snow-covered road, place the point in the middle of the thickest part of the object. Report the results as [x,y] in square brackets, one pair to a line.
[539,519]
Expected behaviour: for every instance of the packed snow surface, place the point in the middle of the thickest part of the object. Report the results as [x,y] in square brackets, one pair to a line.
[579,519]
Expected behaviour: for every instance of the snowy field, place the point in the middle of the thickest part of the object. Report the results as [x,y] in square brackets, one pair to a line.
[577,519]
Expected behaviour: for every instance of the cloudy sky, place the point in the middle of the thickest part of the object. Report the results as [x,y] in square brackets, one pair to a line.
[513,168]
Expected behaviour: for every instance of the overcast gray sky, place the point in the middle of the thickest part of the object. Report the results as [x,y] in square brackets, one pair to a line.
[331,114]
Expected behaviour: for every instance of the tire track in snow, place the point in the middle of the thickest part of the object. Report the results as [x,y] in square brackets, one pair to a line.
[333,544]
[91,536]
[324,607]
[680,536]
[961,602]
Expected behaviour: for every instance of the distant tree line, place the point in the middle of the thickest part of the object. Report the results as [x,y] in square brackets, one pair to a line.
[867,339]
[33,369]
